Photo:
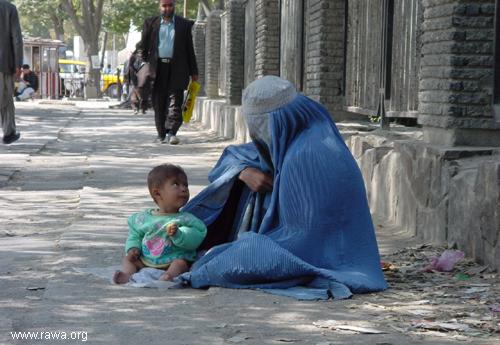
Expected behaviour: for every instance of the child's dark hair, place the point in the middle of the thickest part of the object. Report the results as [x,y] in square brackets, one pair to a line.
[159,174]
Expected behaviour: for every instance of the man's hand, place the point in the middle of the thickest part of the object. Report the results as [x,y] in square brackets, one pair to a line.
[194,77]
[133,254]
[172,229]
[256,180]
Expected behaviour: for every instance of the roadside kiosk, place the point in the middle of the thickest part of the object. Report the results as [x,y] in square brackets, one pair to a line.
[42,55]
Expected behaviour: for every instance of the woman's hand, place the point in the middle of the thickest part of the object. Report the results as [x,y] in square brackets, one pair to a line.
[256,180]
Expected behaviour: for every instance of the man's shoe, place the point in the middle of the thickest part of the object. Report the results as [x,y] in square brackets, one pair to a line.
[174,140]
[11,138]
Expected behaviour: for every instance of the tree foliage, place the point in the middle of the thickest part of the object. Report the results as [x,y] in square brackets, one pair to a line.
[119,14]
[40,17]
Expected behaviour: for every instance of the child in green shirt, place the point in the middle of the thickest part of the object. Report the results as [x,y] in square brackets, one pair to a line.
[163,238]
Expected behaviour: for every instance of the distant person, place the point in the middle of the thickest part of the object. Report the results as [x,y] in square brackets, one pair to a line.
[138,84]
[167,44]
[108,69]
[163,238]
[30,84]
[11,59]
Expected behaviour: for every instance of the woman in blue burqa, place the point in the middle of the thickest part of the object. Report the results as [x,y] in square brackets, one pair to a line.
[287,213]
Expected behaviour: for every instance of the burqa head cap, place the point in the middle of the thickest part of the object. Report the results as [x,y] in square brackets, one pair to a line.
[267,94]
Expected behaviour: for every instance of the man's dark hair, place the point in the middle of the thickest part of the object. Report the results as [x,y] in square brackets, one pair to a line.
[26,66]
[159,174]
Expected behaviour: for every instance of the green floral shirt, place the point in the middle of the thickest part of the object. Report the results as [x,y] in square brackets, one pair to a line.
[148,232]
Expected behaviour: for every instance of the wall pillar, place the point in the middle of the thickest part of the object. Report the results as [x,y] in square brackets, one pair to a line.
[267,40]
[235,11]
[456,78]
[212,53]
[199,32]
[324,53]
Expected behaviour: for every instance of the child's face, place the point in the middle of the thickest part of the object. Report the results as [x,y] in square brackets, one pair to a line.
[173,194]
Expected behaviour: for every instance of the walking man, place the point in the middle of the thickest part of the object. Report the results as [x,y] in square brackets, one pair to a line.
[167,44]
[11,60]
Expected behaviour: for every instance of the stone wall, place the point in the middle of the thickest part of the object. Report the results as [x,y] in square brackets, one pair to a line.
[212,51]
[456,82]
[440,195]
[235,75]
[199,49]
[324,55]
[267,38]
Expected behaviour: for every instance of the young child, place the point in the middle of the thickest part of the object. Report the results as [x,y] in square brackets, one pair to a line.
[163,238]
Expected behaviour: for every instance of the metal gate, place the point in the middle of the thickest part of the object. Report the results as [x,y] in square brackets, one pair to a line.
[383,57]
[292,41]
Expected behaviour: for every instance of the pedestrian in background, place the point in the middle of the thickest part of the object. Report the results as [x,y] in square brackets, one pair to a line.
[139,84]
[167,45]
[11,60]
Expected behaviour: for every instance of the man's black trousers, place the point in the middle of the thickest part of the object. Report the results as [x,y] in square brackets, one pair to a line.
[167,102]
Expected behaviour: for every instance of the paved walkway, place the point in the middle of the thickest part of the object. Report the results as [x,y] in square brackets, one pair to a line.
[66,189]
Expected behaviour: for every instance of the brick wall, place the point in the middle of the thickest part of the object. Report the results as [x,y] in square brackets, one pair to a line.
[267,40]
[199,49]
[235,75]
[212,51]
[324,55]
[456,73]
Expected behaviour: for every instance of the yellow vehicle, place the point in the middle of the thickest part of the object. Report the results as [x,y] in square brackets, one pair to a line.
[72,74]
[109,83]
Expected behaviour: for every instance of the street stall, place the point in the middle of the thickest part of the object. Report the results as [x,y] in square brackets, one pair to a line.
[42,55]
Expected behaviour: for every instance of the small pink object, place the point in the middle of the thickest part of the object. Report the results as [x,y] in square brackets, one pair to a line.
[446,262]
[495,308]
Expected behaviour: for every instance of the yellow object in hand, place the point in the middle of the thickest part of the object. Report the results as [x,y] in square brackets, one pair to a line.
[188,106]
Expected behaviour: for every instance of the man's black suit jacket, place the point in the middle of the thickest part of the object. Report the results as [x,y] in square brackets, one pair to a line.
[183,62]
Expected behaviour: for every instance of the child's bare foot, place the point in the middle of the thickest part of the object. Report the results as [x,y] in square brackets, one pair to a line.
[166,277]
[121,277]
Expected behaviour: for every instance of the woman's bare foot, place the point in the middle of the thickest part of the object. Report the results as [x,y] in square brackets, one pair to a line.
[121,277]
[166,277]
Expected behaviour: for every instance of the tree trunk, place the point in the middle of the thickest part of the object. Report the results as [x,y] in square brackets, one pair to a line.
[94,75]
[58,27]
[88,26]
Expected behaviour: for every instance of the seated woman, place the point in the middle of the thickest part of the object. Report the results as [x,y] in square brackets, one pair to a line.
[288,212]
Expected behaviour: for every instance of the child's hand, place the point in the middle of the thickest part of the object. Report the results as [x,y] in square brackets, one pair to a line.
[133,254]
[172,229]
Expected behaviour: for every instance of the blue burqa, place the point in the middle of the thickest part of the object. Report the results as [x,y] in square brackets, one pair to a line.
[312,237]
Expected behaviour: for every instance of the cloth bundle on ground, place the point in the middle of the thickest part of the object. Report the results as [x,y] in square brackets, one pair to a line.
[312,237]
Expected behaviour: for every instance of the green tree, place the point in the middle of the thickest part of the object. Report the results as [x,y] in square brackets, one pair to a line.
[119,14]
[87,16]
[40,17]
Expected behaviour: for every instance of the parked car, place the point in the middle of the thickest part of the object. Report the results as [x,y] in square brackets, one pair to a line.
[72,75]
[109,83]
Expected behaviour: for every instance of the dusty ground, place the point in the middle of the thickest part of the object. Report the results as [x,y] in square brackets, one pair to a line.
[65,191]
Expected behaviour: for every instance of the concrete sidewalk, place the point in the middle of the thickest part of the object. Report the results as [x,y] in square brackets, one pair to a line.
[66,190]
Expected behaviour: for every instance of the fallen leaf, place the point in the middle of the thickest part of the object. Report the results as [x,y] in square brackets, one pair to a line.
[440,326]
[333,324]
